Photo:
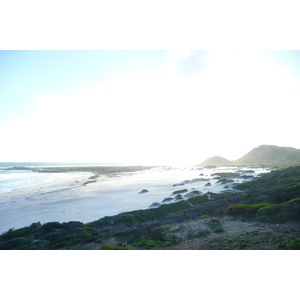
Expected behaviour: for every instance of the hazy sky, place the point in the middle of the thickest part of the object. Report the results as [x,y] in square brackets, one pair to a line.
[146,107]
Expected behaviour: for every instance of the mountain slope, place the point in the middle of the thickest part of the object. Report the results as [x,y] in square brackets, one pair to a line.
[262,155]
[267,154]
[216,161]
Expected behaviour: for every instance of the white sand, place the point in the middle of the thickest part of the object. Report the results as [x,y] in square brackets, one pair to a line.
[67,199]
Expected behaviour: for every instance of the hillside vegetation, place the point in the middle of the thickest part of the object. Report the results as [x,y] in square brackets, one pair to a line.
[264,155]
[216,161]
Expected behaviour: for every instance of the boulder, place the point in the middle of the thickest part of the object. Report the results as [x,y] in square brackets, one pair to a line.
[208,184]
[154,205]
[143,191]
[194,180]
[177,184]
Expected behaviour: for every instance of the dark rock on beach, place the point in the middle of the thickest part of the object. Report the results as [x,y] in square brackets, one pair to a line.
[195,180]
[178,184]
[143,191]
[154,205]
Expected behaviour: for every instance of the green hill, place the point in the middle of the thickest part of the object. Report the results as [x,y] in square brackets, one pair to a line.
[262,155]
[270,155]
[216,161]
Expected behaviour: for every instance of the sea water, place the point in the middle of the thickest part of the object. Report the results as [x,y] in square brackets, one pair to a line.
[14,179]
[11,179]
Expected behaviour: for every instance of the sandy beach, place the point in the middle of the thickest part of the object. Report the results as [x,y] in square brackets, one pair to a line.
[74,197]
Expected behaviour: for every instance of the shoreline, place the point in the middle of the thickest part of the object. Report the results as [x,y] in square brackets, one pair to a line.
[61,199]
[77,197]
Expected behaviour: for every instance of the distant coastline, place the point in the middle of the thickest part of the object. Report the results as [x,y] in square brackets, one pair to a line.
[27,164]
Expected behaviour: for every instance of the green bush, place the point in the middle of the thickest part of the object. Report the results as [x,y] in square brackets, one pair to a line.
[60,244]
[246,210]
[148,237]
[295,245]
[287,211]
[110,247]
[215,225]
[11,233]
[200,199]
[142,215]
[193,193]
[180,191]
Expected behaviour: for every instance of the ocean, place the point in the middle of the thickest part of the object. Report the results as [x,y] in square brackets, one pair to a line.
[14,179]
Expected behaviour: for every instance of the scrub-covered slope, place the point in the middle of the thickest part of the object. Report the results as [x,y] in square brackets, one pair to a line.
[262,155]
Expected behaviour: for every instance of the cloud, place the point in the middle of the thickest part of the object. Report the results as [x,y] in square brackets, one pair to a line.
[200,104]
[186,62]
[193,63]
[153,115]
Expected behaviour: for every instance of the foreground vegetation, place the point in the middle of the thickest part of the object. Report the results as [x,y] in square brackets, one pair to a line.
[259,214]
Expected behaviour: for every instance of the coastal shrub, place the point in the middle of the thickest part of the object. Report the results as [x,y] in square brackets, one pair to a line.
[48,227]
[110,247]
[246,210]
[7,234]
[180,191]
[142,215]
[19,243]
[52,235]
[199,199]
[246,176]
[225,180]
[193,193]
[287,211]
[165,227]
[60,244]
[295,245]
[178,197]
[284,192]
[226,175]
[149,237]
[244,185]
[167,199]
[12,233]
[215,225]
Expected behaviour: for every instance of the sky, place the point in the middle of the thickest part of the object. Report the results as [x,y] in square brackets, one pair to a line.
[146,107]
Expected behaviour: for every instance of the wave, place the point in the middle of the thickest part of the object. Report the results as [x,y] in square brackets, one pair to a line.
[15,179]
